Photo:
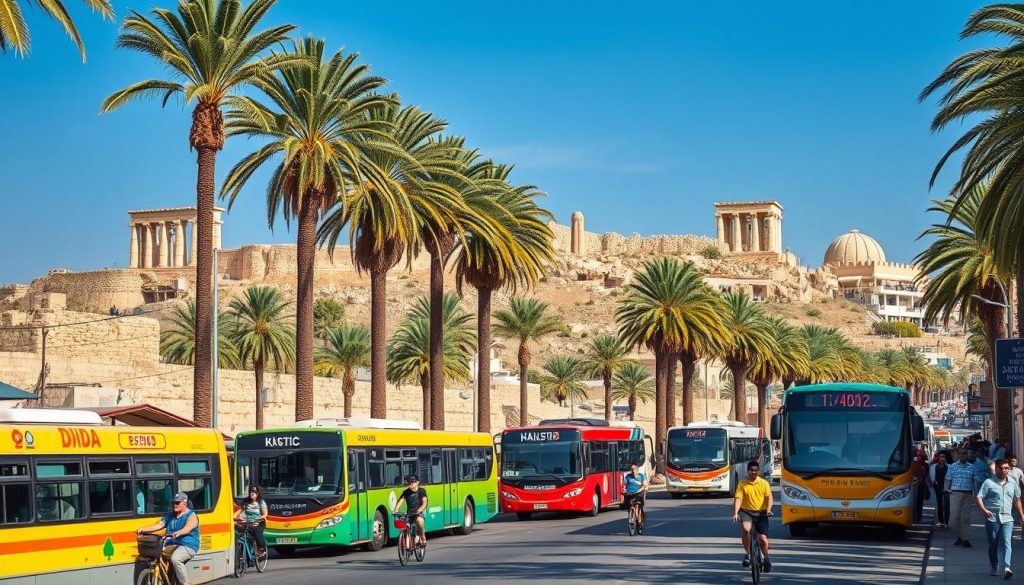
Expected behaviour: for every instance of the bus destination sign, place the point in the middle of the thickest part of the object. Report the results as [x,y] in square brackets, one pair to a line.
[849,400]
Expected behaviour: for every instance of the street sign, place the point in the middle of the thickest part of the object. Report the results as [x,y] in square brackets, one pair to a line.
[976,420]
[1010,363]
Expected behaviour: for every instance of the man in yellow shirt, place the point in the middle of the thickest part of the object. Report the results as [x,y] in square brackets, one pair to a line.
[754,503]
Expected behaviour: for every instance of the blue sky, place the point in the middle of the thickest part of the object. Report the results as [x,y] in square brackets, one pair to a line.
[639,115]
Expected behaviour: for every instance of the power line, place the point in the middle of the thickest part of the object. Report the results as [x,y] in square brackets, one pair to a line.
[54,326]
[101,342]
[144,376]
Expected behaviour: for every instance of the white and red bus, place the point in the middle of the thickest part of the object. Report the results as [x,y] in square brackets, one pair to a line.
[570,465]
[712,456]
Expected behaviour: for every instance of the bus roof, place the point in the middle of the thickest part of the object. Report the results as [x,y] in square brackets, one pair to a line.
[588,432]
[49,416]
[838,386]
[359,423]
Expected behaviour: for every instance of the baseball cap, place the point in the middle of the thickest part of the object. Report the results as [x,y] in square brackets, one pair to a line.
[411,478]
[180,497]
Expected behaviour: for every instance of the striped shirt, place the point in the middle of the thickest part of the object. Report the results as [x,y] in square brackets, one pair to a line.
[960,477]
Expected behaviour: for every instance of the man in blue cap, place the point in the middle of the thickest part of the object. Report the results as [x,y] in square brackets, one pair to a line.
[182,526]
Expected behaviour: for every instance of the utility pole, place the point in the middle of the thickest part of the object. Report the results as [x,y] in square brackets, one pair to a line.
[43,368]
[213,343]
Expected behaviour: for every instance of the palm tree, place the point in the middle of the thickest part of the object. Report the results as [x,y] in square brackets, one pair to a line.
[409,349]
[894,367]
[632,382]
[984,85]
[918,373]
[751,337]
[319,133]
[261,334]
[525,320]
[513,258]
[347,349]
[14,30]
[564,378]
[825,355]
[668,309]
[766,368]
[212,51]
[178,343]
[328,315]
[605,355]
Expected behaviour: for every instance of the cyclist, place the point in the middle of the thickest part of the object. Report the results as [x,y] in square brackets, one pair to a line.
[182,526]
[415,499]
[636,489]
[754,503]
[254,512]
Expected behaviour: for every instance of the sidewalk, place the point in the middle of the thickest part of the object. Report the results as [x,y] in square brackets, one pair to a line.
[953,564]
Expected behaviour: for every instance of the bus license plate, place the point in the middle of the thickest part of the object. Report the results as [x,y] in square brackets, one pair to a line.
[289,540]
[845,515]
[540,506]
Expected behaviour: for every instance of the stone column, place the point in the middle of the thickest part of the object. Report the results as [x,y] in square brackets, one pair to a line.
[147,245]
[192,245]
[734,232]
[217,226]
[179,243]
[161,248]
[133,248]
[755,233]
[777,220]
[720,228]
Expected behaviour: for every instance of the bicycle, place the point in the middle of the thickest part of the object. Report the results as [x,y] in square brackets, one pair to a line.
[157,567]
[756,554]
[409,542]
[636,517]
[245,550]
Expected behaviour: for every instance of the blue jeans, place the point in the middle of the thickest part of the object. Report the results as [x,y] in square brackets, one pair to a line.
[997,531]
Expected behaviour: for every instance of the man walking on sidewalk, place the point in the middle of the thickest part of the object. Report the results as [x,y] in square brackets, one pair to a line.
[960,485]
[997,499]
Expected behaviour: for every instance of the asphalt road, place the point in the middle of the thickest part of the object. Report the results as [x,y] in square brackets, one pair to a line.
[686,541]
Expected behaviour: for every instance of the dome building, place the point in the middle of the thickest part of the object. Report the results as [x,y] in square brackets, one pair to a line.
[865,277]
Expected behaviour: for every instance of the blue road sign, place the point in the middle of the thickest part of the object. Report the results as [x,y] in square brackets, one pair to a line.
[1010,363]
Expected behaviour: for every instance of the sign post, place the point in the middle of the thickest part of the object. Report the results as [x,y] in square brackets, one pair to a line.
[1010,375]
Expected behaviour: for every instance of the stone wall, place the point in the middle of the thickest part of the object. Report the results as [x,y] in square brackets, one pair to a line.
[97,290]
[611,243]
[273,263]
[124,341]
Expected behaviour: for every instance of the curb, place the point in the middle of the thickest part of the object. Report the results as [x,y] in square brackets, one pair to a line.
[927,552]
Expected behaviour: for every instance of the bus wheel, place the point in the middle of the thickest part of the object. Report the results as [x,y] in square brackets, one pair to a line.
[285,551]
[380,532]
[796,529]
[595,504]
[676,495]
[467,519]
[524,516]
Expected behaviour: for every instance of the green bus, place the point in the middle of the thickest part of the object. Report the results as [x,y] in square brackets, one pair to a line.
[336,481]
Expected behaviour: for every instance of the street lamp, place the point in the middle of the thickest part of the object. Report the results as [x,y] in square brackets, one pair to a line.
[1009,333]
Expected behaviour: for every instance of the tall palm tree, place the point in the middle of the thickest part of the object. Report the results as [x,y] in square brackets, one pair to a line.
[14,30]
[984,85]
[918,373]
[328,315]
[512,258]
[632,382]
[178,342]
[668,309]
[262,335]
[409,349]
[212,50]
[604,356]
[347,349]
[825,355]
[563,378]
[766,368]
[525,320]
[318,132]
[751,337]
[893,365]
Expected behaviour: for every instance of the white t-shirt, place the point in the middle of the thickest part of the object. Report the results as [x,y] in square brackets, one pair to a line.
[1016,473]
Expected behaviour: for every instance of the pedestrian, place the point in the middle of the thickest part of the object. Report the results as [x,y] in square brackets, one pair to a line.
[960,485]
[998,451]
[981,471]
[922,480]
[937,475]
[997,499]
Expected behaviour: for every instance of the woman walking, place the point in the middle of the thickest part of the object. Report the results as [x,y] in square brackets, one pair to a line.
[937,475]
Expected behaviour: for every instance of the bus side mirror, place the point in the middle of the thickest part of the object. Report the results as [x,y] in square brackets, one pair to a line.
[776,430]
[917,428]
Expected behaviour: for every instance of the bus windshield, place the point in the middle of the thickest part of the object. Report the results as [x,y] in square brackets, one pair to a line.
[866,432]
[297,472]
[540,460]
[689,449]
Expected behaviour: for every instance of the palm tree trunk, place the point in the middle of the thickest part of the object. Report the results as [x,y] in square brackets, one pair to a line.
[689,363]
[378,343]
[524,370]
[632,407]
[427,412]
[607,377]
[993,320]
[739,395]
[660,419]
[305,255]
[762,406]
[202,408]
[439,250]
[483,372]
[258,366]
[671,360]
[348,390]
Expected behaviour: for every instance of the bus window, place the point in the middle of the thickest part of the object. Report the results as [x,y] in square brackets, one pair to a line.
[375,468]
[110,497]
[156,495]
[59,501]
[424,473]
[242,472]
[435,465]
[199,491]
[17,503]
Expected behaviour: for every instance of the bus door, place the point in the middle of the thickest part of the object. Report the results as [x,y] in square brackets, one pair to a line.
[614,489]
[360,524]
[452,507]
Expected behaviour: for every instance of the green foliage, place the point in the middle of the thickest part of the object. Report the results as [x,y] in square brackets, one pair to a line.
[896,328]
[14,31]
[632,379]
[814,312]
[328,314]
[563,378]
[259,330]
[347,349]
[526,320]
[408,349]
[711,253]
[178,342]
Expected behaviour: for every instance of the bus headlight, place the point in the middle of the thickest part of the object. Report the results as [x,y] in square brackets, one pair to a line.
[508,495]
[328,522]
[573,493]
[793,492]
[897,493]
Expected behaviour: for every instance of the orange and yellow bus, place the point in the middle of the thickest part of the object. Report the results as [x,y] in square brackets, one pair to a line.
[73,492]
[846,455]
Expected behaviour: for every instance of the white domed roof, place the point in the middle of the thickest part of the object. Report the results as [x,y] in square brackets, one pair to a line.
[852,248]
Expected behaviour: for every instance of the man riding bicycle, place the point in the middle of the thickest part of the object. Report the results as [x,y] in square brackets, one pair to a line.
[636,486]
[754,503]
[182,526]
[415,499]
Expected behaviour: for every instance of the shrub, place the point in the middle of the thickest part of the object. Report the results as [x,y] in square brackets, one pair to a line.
[712,253]
[897,328]
[814,312]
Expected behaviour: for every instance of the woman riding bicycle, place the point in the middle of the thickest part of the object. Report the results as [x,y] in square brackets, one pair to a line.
[254,513]
[636,485]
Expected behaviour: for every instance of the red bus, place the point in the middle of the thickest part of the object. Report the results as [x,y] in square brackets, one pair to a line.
[570,465]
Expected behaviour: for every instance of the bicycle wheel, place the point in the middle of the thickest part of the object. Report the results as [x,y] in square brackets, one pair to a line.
[640,521]
[631,521]
[403,552]
[261,560]
[239,559]
[146,577]
[755,558]
[420,551]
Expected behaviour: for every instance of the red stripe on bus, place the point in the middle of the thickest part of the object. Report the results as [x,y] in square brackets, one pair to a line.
[29,546]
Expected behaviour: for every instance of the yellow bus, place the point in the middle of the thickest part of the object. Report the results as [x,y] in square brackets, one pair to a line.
[73,492]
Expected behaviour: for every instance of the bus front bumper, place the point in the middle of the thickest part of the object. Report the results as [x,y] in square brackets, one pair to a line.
[800,505]
[578,503]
